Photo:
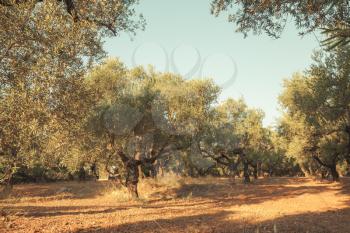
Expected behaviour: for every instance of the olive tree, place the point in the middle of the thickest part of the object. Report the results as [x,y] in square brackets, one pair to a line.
[236,136]
[46,48]
[141,115]
[316,107]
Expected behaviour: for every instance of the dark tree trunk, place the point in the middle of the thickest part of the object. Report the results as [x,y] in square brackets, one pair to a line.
[347,157]
[348,163]
[132,173]
[270,171]
[259,169]
[255,171]
[331,167]
[81,173]
[304,170]
[246,172]
[132,177]
[334,172]
[6,188]
[94,171]
[153,170]
[132,188]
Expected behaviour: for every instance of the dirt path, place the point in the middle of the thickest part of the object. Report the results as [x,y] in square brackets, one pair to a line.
[192,205]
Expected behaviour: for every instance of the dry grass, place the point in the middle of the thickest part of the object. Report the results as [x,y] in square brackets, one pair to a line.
[175,204]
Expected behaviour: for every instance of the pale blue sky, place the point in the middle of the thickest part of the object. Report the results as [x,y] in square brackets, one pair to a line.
[186,28]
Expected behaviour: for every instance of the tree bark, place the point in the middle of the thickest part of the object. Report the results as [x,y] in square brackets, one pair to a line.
[334,172]
[305,170]
[132,173]
[259,169]
[132,188]
[331,167]
[132,177]
[6,190]
[246,172]
[139,168]
[347,157]
[94,172]
[153,170]
[255,171]
[6,184]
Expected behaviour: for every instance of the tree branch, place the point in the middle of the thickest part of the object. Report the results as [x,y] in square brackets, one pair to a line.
[217,159]
[71,10]
[316,158]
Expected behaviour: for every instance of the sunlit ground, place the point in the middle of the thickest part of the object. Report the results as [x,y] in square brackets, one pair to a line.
[180,205]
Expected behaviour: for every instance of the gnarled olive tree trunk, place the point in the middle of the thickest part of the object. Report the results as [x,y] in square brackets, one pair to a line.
[246,171]
[347,157]
[331,167]
[131,166]
[6,183]
[132,177]
[334,172]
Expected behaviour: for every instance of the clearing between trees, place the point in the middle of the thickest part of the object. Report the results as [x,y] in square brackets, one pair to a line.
[174,204]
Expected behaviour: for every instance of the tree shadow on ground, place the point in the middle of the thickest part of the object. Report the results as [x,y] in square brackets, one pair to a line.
[336,221]
[224,193]
[50,211]
[60,190]
[219,194]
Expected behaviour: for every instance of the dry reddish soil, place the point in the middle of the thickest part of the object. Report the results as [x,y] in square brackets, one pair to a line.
[180,205]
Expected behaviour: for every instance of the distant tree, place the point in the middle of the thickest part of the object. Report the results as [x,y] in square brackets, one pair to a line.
[276,161]
[236,136]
